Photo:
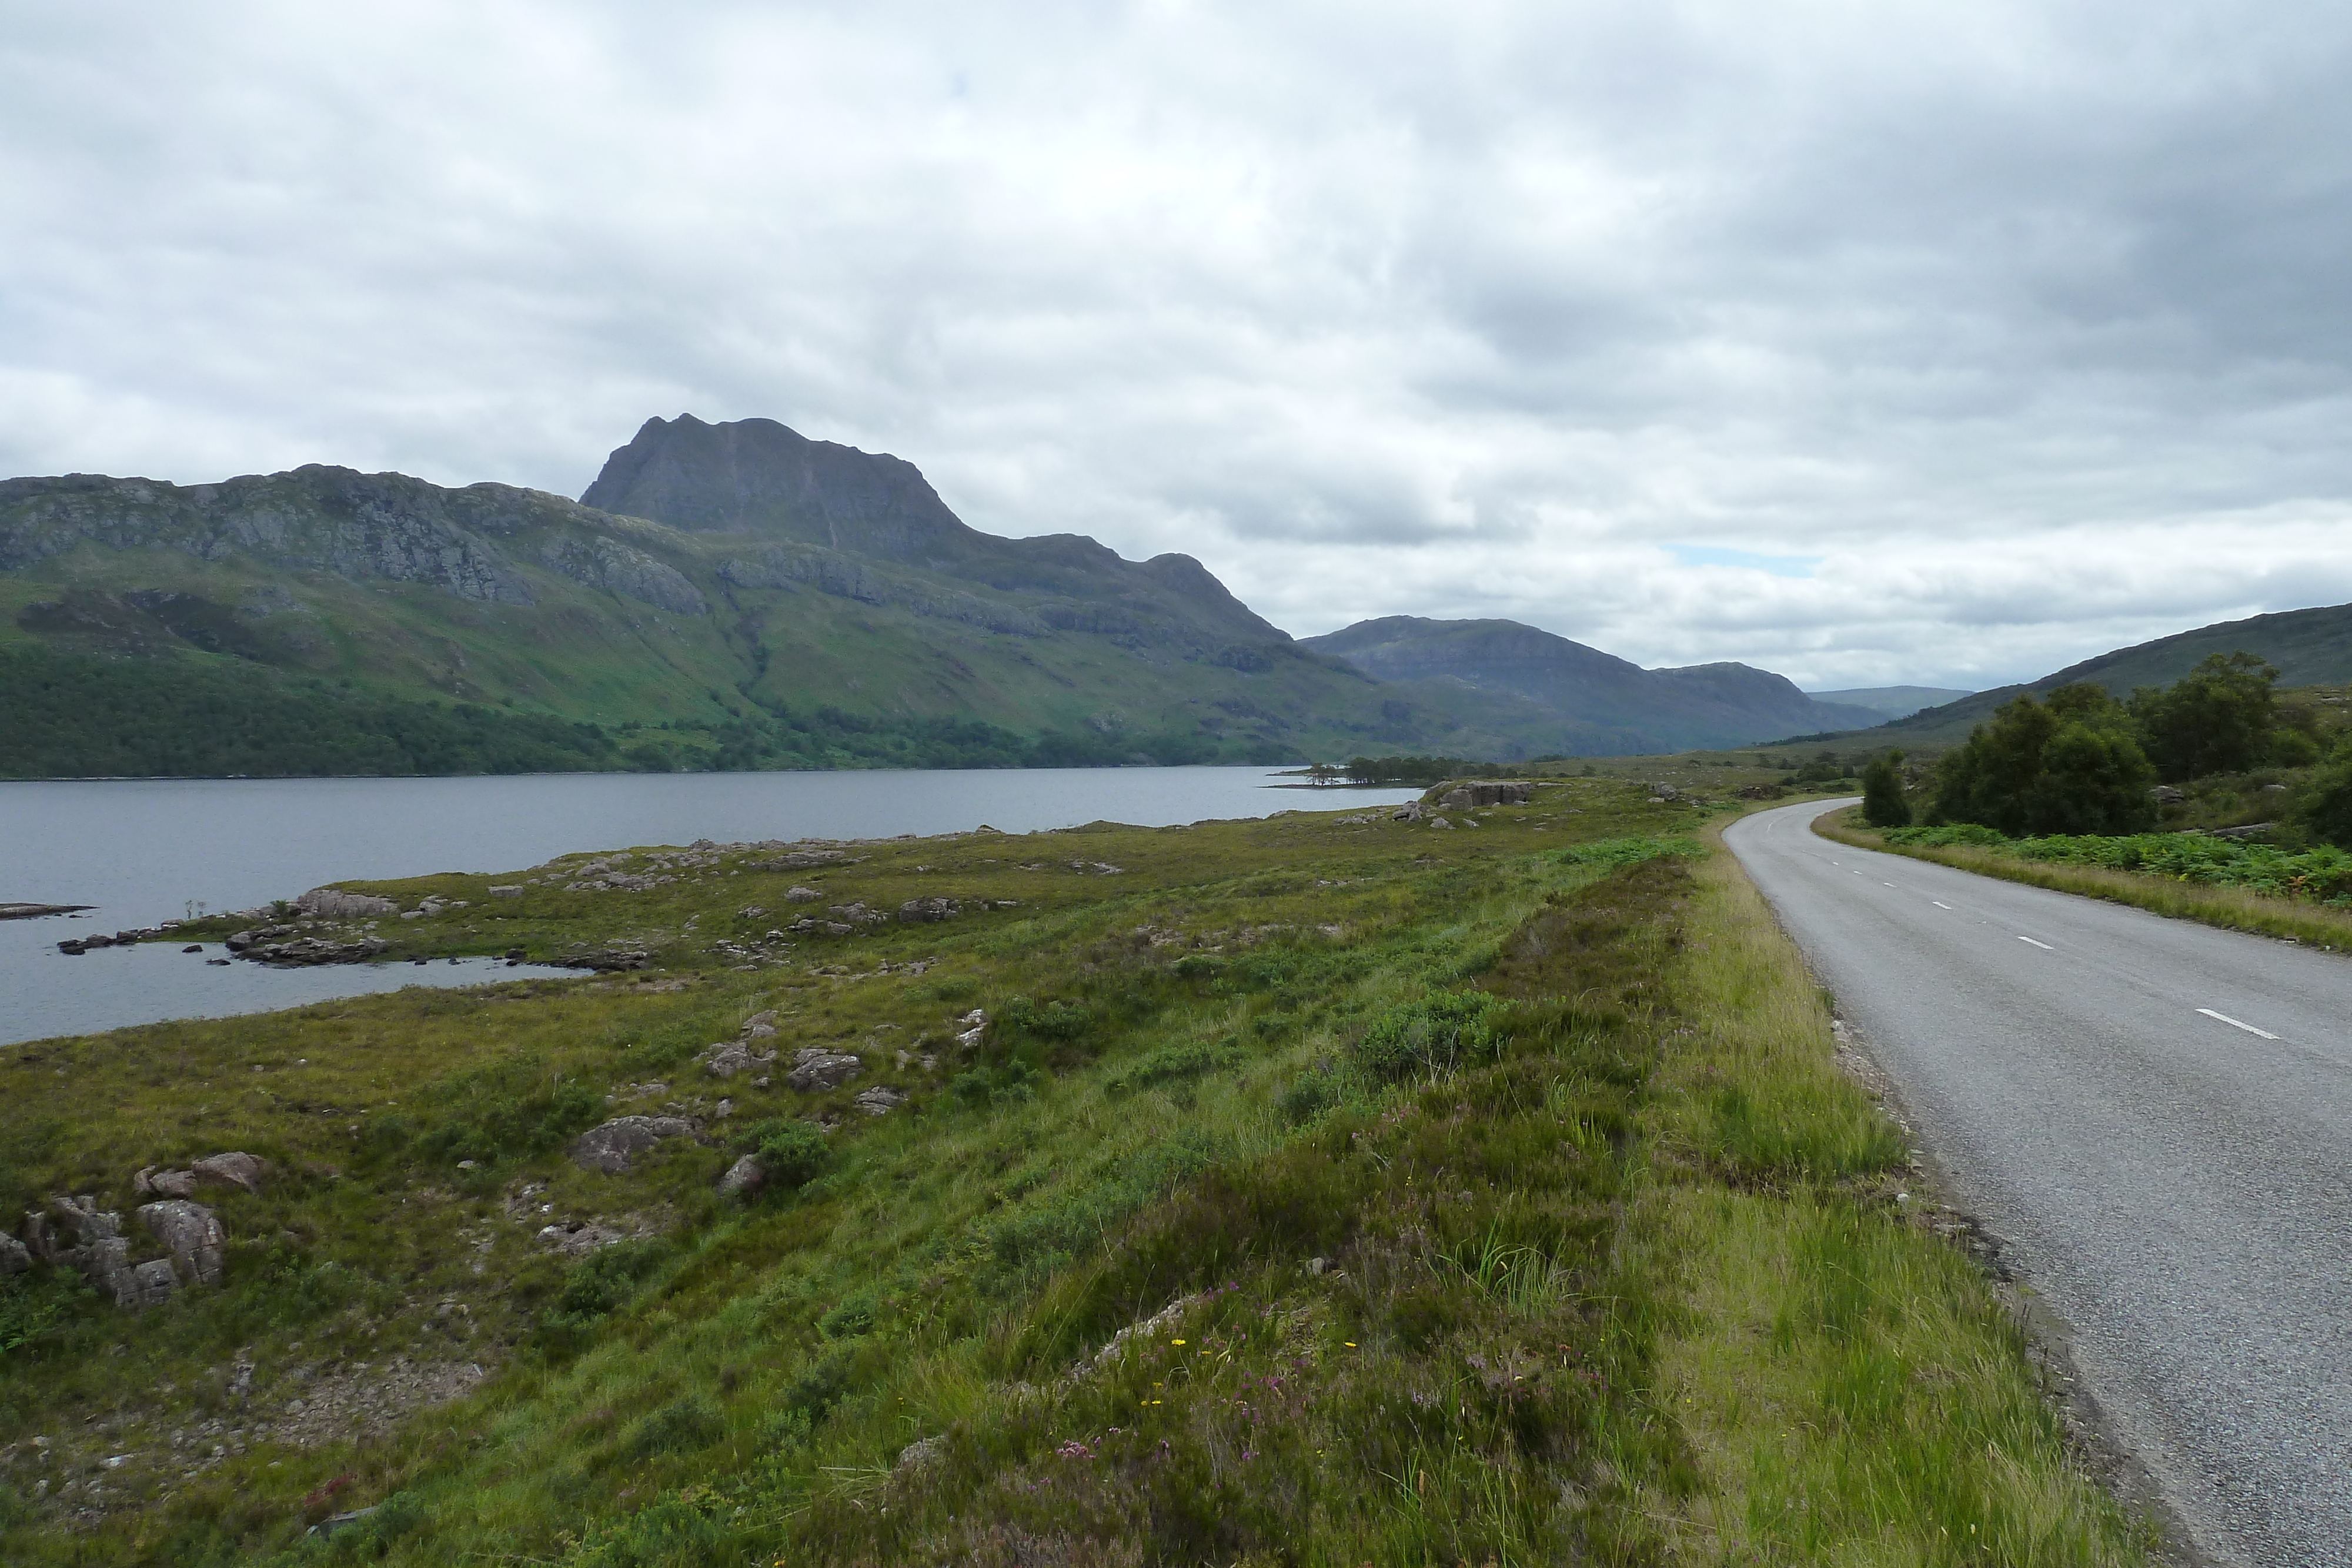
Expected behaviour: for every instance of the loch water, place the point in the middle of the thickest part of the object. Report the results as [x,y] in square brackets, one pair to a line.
[146,851]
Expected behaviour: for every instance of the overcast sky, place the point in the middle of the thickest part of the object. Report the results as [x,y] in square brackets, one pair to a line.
[1871,342]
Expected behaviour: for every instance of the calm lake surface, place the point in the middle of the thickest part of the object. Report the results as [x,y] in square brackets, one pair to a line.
[146,851]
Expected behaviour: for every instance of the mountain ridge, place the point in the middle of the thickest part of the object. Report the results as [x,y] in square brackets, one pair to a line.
[1688,708]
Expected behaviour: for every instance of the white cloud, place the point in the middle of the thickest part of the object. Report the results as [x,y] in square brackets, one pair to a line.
[2026,320]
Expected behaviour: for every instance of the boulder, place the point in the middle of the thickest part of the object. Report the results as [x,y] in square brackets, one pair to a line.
[919,911]
[236,1169]
[2166,795]
[1411,811]
[579,1238]
[879,1101]
[611,1145]
[15,1257]
[816,1068]
[192,1234]
[151,1284]
[98,1251]
[730,1057]
[334,903]
[1471,796]
[169,1183]
[744,1178]
[801,895]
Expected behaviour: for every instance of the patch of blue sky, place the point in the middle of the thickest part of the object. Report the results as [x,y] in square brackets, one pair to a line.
[1715,555]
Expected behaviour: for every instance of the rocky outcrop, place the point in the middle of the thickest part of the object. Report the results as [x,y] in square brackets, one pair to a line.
[235,1168]
[814,1069]
[612,1147]
[1478,794]
[304,952]
[879,1101]
[744,1178]
[624,572]
[15,1257]
[87,1241]
[607,961]
[192,1234]
[334,903]
[920,911]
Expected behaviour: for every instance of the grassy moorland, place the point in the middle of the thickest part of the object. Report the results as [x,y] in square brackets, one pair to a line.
[1321,1190]
[2250,888]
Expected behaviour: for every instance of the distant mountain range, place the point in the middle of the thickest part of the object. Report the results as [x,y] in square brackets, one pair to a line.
[1603,704]
[737,594]
[2308,647]
[1890,702]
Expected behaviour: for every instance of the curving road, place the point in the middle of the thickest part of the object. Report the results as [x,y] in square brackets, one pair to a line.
[2154,1120]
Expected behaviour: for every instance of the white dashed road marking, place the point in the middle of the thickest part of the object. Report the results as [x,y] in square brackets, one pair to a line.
[2237,1023]
[2044,946]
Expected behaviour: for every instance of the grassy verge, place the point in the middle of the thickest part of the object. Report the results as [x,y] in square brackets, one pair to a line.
[1321,1190]
[2233,908]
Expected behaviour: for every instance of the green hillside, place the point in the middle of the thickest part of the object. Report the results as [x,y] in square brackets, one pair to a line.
[322,585]
[2308,647]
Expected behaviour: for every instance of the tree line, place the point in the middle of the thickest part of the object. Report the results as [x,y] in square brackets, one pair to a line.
[2082,762]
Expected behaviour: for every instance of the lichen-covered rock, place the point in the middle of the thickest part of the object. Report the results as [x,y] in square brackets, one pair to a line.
[729,1057]
[801,895]
[334,903]
[15,1257]
[192,1234]
[815,1068]
[919,911]
[744,1178]
[610,1146]
[235,1168]
[151,1284]
[879,1101]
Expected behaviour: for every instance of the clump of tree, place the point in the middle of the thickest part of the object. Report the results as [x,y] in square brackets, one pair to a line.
[2071,765]
[1883,803]
[2080,762]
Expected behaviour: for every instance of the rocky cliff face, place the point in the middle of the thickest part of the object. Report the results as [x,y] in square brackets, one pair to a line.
[755,475]
[839,518]
[382,527]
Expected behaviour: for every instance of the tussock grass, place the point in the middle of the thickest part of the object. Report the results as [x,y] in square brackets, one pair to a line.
[2231,908]
[1322,1193]
[1852,1390]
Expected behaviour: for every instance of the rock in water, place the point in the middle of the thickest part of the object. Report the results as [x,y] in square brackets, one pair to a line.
[611,1146]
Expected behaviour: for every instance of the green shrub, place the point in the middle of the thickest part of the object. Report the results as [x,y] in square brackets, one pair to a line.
[1883,802]
[2326,812]
[820,1384]
[1308,1095]
[793,1154]
[1172,1064]
[1055,1020]
[32,1305]
[855,1315]
[1431,1037]
[1625,851]
[597,1286]
[681,1426]
[1007,1084]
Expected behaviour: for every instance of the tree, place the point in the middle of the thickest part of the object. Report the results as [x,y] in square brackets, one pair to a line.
[1883,805]
[2216,718]
[2068,767]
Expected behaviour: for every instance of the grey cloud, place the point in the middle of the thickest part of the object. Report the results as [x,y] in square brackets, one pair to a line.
[2027,319]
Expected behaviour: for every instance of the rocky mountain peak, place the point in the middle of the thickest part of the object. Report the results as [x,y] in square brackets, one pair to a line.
[758,477]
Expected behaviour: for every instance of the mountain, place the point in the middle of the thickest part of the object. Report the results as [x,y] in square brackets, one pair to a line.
[2308,647]
[816,606]
[1890,702]
[1604,705]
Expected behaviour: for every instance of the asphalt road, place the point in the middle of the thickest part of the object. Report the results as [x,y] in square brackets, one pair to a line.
[2154,1118]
